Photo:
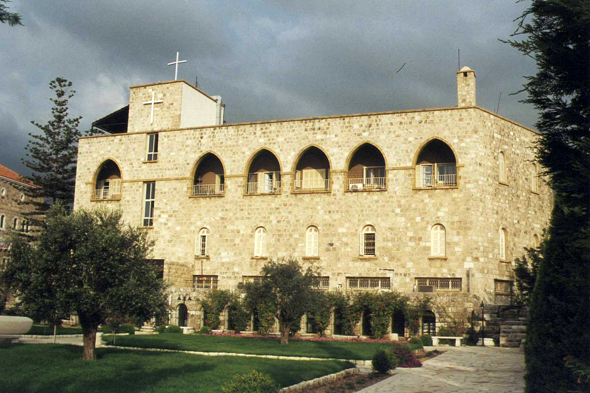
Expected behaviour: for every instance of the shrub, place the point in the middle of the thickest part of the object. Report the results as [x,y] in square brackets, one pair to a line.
[405,357]
[205,330]
[382,362]
[238,315]
[417,342]
[126,328]
[213,304]
[173,329]
[426,340]
[255,382]
[161,329]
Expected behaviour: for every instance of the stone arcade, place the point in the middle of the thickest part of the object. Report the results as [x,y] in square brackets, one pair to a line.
[431,200]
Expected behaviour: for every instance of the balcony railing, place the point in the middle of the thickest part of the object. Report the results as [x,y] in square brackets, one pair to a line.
[252,188]
[208,189]
[312,184]
[106,193]
[439,180]
[366,183]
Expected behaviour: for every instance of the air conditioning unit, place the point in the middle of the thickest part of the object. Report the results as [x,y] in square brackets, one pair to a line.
[425,288]
[356,187]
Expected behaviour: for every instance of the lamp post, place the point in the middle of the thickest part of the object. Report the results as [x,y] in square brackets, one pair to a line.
[483,344]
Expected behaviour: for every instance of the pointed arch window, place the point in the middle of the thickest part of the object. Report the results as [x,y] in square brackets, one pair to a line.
[366,169]
[260,242]
[437,241]
[436,166]
[503,237]
[209,176]
[312,172]
[502,168]
[312,242]
[368,241]
[202,249]
[108,181]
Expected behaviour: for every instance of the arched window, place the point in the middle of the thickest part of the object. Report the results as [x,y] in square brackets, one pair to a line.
[436,166]
[311,242]
[437,241]
[2,219]
[502,168]
[503,244]
[108,181]
[264,174]
[14,223]
[209,176]
[312,172]
[534,178]
[368,241]
[24,225]
[260,242]
[366,169]
[182,315]
[201,246]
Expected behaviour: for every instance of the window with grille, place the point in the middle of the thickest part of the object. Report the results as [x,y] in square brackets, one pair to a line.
[368,283]
[437,241]
[247,279]
[205,282]
[149,203]
[152,148]
[201,249]
[311,242]
[321,282]
[368,241]
[439,284]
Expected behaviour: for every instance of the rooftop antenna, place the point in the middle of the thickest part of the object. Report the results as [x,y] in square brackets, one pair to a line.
[458,59]
[197,82]
[498,106]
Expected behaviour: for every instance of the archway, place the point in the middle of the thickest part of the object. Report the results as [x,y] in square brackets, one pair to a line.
[209,176]
[436,165]
[264,174]
[182,315]
[367,327]
[312,171]
[398,323]
[366,169]
[338,322]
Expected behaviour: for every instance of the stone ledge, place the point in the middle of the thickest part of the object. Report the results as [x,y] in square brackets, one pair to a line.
[302,386]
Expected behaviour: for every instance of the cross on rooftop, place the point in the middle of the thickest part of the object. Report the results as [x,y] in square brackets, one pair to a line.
[176,63]
[152,102]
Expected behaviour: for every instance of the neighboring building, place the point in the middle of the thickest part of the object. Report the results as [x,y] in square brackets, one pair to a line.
[430,200]
[13,208]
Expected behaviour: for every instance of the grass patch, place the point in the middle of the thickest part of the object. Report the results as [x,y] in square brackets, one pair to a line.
[41,330]
[60,368]
[258,346]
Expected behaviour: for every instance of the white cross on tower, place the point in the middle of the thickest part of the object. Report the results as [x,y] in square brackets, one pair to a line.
[176,63]
[152,102]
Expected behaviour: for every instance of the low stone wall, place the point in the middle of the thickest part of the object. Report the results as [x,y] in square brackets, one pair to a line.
[512,333]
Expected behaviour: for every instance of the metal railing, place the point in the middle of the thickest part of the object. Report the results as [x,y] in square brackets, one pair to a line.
[369,283]
[252,188]
[366,183]
[439,180]
[208,189]
[105,193]
[312,184]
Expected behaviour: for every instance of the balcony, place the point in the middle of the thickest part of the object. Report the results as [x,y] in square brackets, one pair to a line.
[107,193]
[366,183]
[440,180]
[256,188]
[208,189]
[312,185]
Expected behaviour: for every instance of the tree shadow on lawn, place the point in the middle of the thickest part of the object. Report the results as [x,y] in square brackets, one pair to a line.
[115,371]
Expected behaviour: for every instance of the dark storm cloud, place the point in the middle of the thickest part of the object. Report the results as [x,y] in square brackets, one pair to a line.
[268,59]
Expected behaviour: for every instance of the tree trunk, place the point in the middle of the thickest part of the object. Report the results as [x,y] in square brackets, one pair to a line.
[89,344]
[285,328]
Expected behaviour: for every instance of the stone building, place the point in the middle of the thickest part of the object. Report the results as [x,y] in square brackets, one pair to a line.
[430,200]
[13,208]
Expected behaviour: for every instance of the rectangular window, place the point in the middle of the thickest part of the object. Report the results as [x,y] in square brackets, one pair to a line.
[426,175]
[205,282]
[439,284]
[368,283]
[369,245]
[149,202]
[321,282]
[203,248]
[152,150]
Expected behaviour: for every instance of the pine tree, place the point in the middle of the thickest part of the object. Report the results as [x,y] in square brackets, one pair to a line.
[558,38]
[12,18]
[52,154]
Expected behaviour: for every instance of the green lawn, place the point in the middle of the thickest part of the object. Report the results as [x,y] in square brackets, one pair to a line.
[48,330]
[261,346]
[60,368]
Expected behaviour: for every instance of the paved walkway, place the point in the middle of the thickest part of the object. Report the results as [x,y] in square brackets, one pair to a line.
[458,370]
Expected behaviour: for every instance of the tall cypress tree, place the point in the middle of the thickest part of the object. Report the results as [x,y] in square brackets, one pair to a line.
[557,36]
[52,154]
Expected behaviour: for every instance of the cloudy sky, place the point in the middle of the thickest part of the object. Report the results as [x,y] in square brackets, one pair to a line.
[268,59]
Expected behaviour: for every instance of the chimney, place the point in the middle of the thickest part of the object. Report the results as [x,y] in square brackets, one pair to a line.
[466,87]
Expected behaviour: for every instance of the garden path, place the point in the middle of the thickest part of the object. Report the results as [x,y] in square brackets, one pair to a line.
[458,370]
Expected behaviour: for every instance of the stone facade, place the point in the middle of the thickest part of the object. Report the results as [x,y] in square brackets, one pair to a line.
[398,200]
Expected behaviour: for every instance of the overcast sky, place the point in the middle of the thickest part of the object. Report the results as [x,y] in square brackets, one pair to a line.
[268,59]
